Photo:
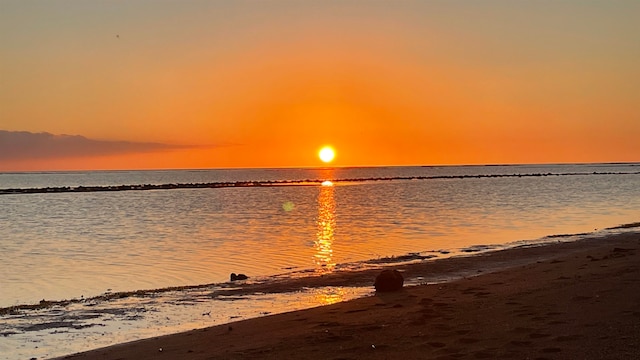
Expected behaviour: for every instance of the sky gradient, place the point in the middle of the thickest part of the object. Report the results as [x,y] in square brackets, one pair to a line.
[211,84]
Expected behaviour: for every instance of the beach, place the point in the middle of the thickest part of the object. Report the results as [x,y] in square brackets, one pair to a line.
[227,179]
[563,300]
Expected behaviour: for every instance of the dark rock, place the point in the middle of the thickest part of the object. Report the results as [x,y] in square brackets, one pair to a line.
[235,277]
[389,280]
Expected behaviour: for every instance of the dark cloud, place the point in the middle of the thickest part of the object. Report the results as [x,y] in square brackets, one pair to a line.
[20,145]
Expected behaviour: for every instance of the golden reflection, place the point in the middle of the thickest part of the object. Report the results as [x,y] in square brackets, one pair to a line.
[326,223]
[328,296]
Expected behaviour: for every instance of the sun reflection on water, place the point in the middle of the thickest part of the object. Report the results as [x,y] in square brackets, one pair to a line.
[326,224]
[328,296]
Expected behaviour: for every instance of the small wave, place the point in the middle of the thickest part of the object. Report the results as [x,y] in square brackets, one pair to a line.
[400,259]
[625,226]
[565,235]
[478,248]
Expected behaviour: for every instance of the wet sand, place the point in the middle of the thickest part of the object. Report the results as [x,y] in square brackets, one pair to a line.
[567,300]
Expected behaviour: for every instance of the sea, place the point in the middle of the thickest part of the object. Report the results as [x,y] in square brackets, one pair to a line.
[94,258]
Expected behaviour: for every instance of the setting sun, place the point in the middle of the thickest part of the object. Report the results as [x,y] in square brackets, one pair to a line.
[327,154]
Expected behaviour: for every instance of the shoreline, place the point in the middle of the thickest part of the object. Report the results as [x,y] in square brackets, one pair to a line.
[356,274]
[550,300]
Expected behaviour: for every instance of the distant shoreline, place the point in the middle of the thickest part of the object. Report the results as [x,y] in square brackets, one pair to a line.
[347,167]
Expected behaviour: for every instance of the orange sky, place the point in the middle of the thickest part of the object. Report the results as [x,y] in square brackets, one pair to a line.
[266,84]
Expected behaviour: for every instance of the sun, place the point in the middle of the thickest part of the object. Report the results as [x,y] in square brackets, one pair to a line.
[327,154]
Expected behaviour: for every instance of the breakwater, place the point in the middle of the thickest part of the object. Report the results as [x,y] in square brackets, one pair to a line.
[313,182]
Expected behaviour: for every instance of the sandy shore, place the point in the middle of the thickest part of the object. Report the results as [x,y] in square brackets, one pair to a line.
[577,300]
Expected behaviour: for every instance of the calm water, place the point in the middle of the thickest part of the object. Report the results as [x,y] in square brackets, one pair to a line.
[66,245]
[72,245]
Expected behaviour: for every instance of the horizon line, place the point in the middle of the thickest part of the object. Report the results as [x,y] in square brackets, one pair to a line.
[326,167]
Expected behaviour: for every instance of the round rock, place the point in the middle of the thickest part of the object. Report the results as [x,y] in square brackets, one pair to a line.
[389,280]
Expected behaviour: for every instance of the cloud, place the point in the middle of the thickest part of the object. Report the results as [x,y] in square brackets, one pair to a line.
[22,145]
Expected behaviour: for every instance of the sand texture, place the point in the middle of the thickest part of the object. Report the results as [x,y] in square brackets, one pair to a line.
[578,300]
